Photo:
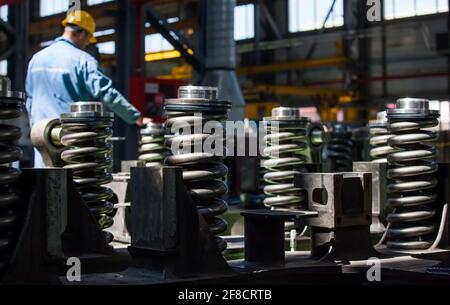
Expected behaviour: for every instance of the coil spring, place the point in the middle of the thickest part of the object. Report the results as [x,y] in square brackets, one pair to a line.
[411,169]
[9,196]
[340,149]
[89,156]
[152,149]
[286,144]
[261,173]
[379,136]
[203,172]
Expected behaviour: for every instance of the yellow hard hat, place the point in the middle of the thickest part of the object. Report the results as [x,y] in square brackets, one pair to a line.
[81,19]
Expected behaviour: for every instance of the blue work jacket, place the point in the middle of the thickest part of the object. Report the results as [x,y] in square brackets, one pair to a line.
[62,74]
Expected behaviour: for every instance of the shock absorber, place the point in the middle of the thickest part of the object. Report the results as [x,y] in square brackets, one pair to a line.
[412,193]
[203,172]
[379,136]
[11,107]
[339,149]
[286,142]
[152,148]
[86,131]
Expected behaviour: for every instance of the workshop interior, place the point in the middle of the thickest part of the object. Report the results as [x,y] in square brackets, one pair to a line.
[336,167]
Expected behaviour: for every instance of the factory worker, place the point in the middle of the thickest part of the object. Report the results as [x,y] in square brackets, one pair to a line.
[64,73]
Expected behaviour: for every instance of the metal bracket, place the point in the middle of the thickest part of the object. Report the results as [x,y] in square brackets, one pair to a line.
[265,228]
[45,136]
[121,187]
[168,234]
[379,192]
[57,224]
[343,202]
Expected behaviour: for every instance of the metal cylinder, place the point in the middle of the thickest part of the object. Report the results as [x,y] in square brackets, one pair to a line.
[412,192]
[11,107]
[221,51]
[339,149]
[220,54]
[379,136]
[152,148]
[86,131]
[287,143]
[203,172]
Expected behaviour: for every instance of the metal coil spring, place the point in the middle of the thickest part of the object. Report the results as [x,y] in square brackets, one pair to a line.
[89,156]
[339,149]
[152,147]
[379,136]
[286,145]
[203,172]
[261,173]
[9,196]
[412,192]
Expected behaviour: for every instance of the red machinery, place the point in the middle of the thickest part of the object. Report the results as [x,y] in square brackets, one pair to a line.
[148,95]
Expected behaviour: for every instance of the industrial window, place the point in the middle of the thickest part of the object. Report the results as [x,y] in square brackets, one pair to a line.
[394,9]
[4,12]
[244,22]
[108,47]
[95,2]
[104,32]
[4,67]
[51,7]
[307,15]
[156,43]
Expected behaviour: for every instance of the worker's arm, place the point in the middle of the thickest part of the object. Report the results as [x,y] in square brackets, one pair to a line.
[28,90]
[100,87]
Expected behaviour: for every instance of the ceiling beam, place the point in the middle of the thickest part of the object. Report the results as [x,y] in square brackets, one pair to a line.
[296,91]
[181,25]
[292,65]
[50,23]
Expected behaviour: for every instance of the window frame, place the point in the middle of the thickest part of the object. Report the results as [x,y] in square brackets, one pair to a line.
[162,42]
[38,11]
[416,17]
[426,17]
[101,3]
[7,12]
[254,22]
[309,32]
[104,42]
